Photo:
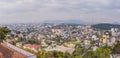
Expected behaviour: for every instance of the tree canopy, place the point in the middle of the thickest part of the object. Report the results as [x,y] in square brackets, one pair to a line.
[3,32]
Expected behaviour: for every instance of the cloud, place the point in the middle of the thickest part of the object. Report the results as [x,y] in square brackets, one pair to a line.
[37,10]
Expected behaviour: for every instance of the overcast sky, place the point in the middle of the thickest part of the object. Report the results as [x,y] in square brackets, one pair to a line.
[12,11]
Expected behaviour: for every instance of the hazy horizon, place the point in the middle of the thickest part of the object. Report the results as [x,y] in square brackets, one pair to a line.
[35,11]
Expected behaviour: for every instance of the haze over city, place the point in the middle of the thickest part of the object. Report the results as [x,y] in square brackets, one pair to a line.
[59,28]
[25,11]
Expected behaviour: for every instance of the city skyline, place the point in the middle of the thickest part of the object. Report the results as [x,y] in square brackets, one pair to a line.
[24,11]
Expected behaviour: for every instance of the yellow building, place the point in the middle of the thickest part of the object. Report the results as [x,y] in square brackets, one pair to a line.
[104,39]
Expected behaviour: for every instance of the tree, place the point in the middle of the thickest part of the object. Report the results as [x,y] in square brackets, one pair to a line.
[78,52]
[3,32]
[60,55]
[67,55]
[41,54]
[116,48]
[77,57]
[49,54]
[89,54]
[102,52]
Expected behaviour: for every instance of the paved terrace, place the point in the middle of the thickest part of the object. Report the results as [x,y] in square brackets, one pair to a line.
[61,48]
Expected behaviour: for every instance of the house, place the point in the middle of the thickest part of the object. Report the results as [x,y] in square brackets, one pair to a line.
[57,31]
[33,47]
[19,44]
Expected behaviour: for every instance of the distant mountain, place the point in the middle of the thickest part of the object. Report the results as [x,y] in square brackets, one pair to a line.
[66,21]
[116,23]
[105,26]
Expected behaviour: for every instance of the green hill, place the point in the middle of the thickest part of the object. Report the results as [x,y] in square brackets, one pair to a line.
[105,26]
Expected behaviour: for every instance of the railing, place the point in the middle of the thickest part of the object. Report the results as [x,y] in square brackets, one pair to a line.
[27,54]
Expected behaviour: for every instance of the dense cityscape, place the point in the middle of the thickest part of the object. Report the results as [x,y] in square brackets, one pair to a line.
[64,40]
[59,28]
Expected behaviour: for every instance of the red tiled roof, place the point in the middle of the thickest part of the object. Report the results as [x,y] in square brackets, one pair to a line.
[35,46]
